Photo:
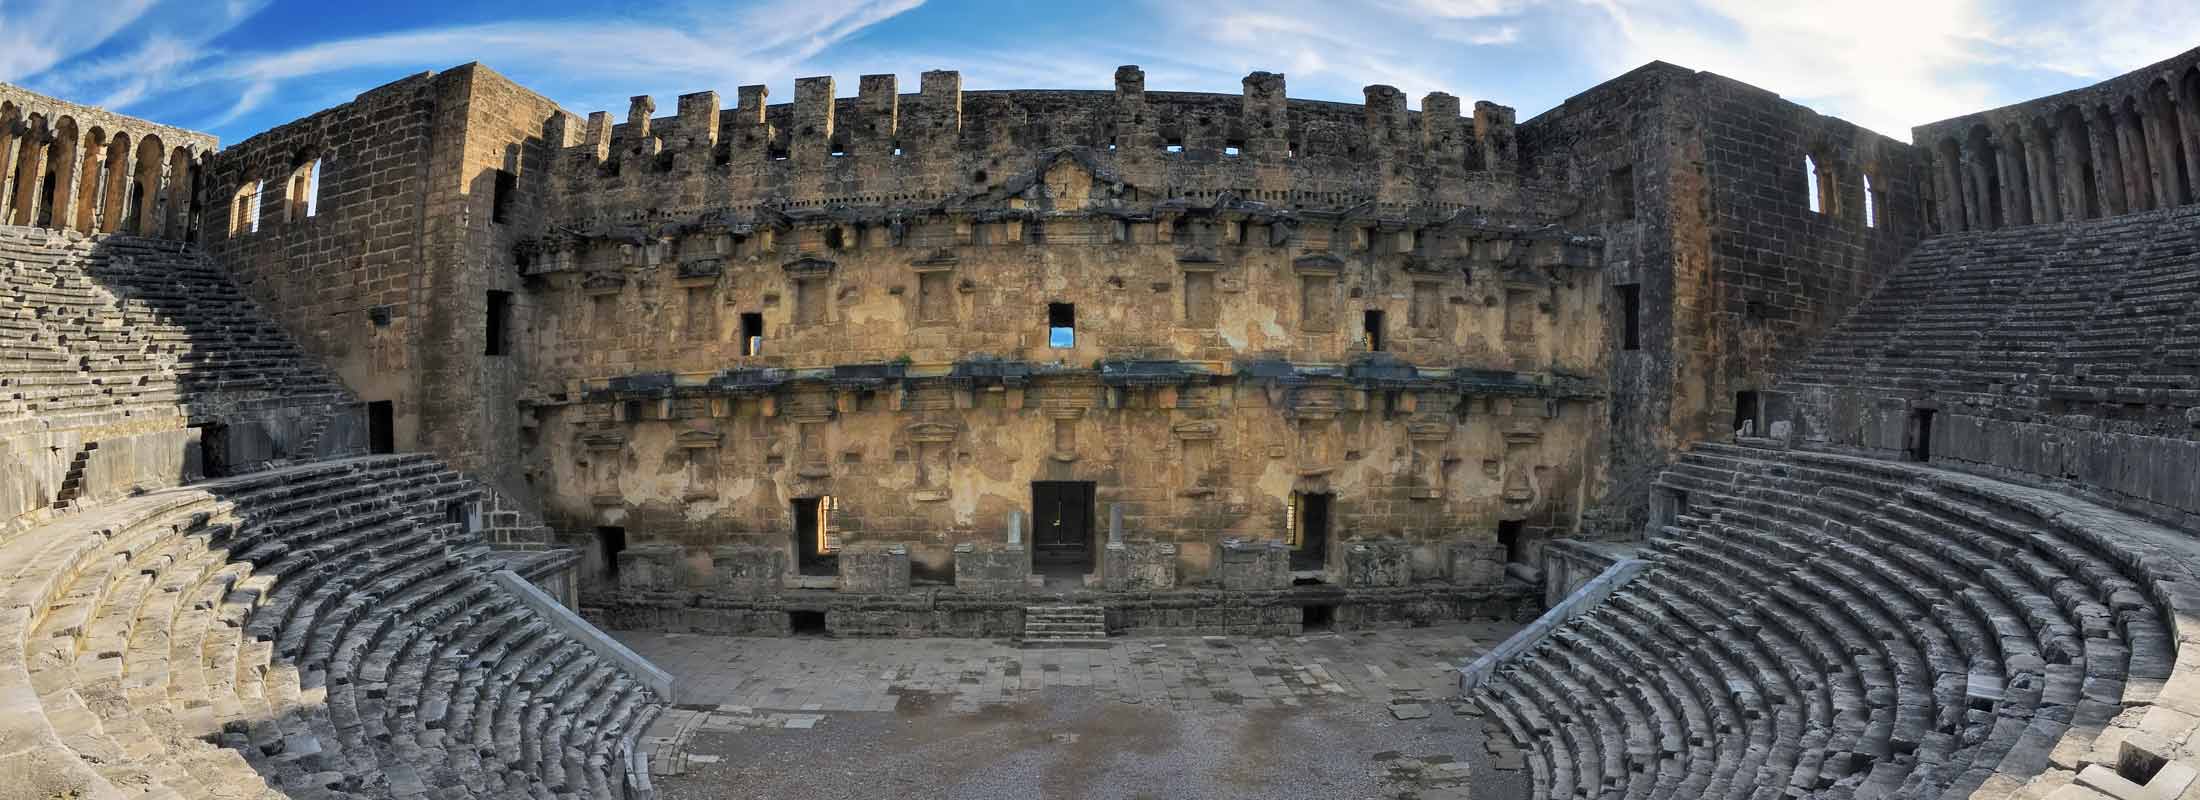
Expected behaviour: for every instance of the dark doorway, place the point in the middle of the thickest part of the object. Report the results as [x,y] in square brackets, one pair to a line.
[1061,527]
[806,623]
[381,427]
[1630,302]
[499,334]
[815,553]
[214,450]
[610,542]
[1508,534]
[1317,618]
[1371,328]
[752,334]
[1746,410]
[1309,531]
[1921,435]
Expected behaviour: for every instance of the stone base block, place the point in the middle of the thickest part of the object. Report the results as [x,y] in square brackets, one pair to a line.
[1376,562]
[1139,567]
[991,569]
[651,567]
[874,568]
[1254,565]
[1476,563]
[747,570]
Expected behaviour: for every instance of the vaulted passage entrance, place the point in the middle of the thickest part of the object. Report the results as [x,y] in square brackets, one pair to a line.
[1061,528]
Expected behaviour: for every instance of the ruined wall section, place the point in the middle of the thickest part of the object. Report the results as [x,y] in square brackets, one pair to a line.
[486,194]
[67,166]
[346,280]
[1698,185]
[2125,145]
[940,145]
[386,273]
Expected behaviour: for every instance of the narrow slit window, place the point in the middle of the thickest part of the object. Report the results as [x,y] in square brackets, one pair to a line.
[1871,204]
[1630,303]
[1810,180]
[752,334]
[500,324]
[1622,186]
[500,208]
[1061,325]
[313,189]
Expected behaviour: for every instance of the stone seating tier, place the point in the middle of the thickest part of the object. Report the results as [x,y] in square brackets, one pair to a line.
[319,630]
[1818,625]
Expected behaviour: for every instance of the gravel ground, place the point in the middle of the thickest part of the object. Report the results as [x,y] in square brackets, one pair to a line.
[1076,743]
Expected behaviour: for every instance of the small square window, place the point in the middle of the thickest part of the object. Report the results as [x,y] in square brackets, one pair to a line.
[1061,325]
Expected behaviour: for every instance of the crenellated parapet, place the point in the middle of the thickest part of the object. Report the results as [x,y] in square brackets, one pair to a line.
[941,145]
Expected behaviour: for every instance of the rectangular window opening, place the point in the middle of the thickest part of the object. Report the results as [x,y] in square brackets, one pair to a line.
[1308,517]
[1317,618]
[1371,330]
[500,324]
[1509,535]
[1747,411]
[1061,325]
[1630,304]
[500,204]
[752,333]
[1621,184]
[806,623]
[381,427]
[1920,435]
[817,548]
[610,542]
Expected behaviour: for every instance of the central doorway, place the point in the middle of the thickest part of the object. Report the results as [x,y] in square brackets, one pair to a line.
[1061,527]
[816,550]
[1309,531]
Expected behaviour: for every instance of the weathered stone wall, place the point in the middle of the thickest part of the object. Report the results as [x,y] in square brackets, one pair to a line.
[1697,183]
[388,279]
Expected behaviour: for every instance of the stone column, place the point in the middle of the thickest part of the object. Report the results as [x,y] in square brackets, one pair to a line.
[2009,164]
[2188,115]
[2131,144]
[30,172]
[1948,182]
[1974,195]
[1115,524]
[2160,172]
[2108,172]
[1015,528]
[2039,167]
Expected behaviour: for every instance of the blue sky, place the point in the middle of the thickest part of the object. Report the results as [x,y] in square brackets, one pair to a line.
[237,67]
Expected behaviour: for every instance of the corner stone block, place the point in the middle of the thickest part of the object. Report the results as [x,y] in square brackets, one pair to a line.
[654,567]
[748,569]
[1475,563]
[991,568]
[1254,565]
[875,568]
[1377,562]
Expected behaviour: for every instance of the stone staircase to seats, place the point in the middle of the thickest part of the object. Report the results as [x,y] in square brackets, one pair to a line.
[2098,311]
[1065,626]
[1819,625]
[319,630]
[94,328]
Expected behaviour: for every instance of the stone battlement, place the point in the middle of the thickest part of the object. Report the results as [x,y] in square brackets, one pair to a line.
[883,147]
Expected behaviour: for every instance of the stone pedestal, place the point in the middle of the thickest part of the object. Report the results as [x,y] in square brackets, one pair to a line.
[650,567]
[747,569]
[1476,563]
[1254,565]
[1376,562]
[874,568]
[991,568]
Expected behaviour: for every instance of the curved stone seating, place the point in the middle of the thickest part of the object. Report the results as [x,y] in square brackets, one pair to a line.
[1819,625]
[90,324]
[315,630]
[2101,310]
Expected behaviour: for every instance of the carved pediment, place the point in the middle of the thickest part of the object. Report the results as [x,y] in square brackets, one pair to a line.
[1317,264]
[694,439]
[603,440]
[603,282]
[937,259]
[702,267]
[1430,431]
[1198,429]
[809,265]
[932,432]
